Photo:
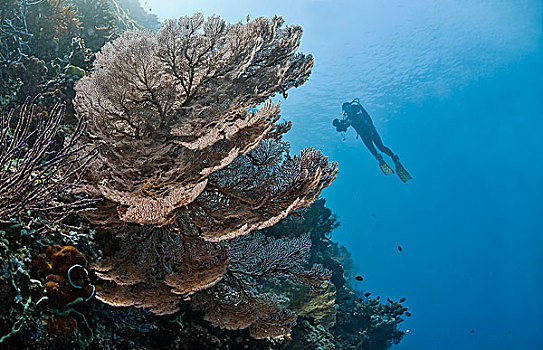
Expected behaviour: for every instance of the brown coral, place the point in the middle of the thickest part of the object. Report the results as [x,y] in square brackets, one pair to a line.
[61,326]
[239,307]
[59,289]
[189,162]
[157,267]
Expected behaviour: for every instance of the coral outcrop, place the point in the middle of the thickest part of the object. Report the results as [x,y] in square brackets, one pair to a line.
[190,160]
[199,239]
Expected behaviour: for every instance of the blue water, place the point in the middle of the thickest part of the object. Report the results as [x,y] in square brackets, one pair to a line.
[456,89]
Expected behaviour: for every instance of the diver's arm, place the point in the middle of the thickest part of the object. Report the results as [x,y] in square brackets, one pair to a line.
[347,120]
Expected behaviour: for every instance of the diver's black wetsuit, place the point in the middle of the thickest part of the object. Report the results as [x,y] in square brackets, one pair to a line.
[362,123]
[356,116]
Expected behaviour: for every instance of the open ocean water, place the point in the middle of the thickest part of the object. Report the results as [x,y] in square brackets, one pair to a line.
[456,89]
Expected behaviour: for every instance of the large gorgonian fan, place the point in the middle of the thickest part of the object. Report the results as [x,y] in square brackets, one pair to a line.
[193,157]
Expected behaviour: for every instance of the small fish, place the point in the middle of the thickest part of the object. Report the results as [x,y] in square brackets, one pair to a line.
[408,314]
[378,297]
[400,248]
[359,278]
[472,331]
[407,330]
[367,294]
[390,301]
[346,298]
[373,214]
[402,300]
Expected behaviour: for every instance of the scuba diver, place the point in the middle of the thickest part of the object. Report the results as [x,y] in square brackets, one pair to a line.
[356,116]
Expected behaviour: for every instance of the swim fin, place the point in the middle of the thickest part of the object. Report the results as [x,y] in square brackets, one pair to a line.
[385,168]
[400,170]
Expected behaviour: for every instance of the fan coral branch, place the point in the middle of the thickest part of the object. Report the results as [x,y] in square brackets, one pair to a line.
[34,171]
[152,211]
[157,262]
[15,37]
[242,307]
[259,189]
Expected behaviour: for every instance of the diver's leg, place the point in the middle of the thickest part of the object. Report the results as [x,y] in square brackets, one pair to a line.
[367,139]
[379,143]
[369,144]
[400,170]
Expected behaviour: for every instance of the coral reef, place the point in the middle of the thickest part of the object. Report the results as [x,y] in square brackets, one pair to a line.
[200,238]
[45,46]
[342,317]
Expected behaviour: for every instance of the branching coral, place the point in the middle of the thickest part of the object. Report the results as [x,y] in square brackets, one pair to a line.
[237,302]
[157,267]
[34,170]
[98,24]
[190,159]
[15,37]
[319,307]
[177,106]
[129,14]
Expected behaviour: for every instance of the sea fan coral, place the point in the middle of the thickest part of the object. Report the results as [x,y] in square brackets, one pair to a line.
[35,171]
[237,302]
[156,267]
[237,307]
[193,157]
[178,107]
